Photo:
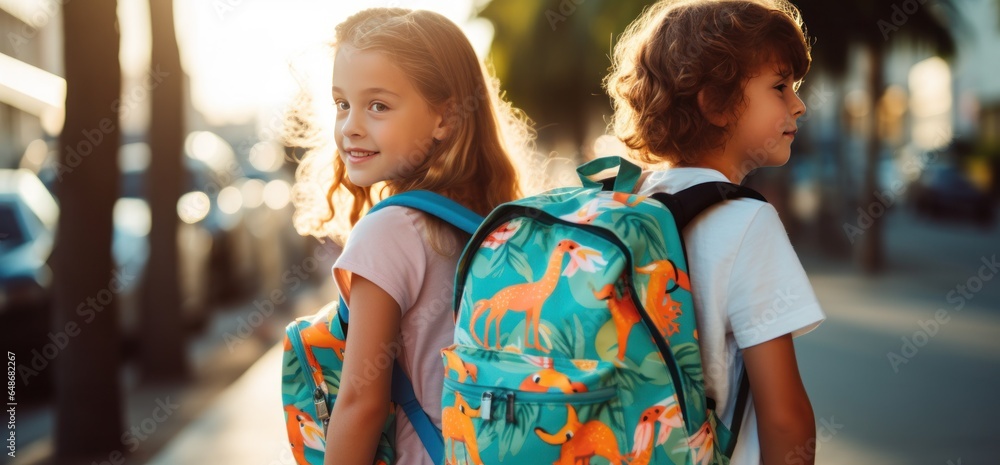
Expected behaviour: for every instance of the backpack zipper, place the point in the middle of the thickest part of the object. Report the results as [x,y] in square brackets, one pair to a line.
[320,401]
[486,406]
[510,396]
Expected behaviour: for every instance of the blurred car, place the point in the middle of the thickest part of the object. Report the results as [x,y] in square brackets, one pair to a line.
[28,216]
[204,261]
[943,191]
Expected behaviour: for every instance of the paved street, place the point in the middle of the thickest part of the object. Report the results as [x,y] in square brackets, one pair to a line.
[938,405]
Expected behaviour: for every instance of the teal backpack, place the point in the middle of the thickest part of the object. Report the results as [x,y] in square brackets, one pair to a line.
[576,338]
[314,358]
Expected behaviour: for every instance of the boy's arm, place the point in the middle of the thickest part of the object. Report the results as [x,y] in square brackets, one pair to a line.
[785,420]
[363,401]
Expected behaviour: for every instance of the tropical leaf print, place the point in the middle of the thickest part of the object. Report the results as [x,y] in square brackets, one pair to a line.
[482,263]
[653,369]
[570,342]
[510,256]
[629,378]
[689,358]
[641,229]
[513,436]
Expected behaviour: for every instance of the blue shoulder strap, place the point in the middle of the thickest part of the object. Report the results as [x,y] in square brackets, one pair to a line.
[402,388]
[436,205]
[403,395]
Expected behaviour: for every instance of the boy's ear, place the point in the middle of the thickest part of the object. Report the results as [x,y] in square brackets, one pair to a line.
[713,116]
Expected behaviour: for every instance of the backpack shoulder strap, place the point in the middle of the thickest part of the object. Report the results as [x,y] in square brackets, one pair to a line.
[738,412]
[403,395]
[686,205]
[436,205]
[689,203]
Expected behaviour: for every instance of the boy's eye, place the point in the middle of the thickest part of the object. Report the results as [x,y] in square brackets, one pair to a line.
[379,107]
[342,105]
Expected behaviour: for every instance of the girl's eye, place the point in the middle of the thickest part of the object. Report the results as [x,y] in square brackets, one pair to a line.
[781,87]
[378,107]
[342,106]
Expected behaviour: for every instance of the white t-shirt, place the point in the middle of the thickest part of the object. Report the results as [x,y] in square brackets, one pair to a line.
[749,287]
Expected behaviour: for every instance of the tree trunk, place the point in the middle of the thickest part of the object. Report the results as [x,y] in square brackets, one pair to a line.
[871,253]
[162,352]
[89,420]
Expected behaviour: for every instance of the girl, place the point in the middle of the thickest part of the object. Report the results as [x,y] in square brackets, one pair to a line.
[710,87]
[415,110]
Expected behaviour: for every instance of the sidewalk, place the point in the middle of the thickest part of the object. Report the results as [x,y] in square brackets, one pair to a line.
[245,425]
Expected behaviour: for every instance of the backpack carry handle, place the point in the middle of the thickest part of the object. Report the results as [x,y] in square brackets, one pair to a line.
[625,181]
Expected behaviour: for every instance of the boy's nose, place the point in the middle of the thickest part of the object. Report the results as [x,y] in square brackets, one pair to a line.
[798,106]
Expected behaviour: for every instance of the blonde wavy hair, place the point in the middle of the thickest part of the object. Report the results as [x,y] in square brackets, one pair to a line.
[474,165]
[678,48]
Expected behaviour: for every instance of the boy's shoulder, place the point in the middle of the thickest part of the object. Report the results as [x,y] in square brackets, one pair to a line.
[734,212]
[727,228]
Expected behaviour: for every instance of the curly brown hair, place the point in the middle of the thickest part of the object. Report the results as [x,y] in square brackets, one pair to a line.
[678,49]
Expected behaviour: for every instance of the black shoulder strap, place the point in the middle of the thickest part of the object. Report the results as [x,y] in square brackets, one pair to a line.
[689,203]
[738,412]
[686,205]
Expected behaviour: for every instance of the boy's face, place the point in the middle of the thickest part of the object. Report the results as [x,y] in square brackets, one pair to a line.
[764,131]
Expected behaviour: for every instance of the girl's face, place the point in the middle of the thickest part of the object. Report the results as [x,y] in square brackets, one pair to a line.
[384,127]
[764,131]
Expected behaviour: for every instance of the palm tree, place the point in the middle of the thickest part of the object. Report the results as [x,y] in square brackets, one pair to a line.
[548,56]
[876,25]
[163,354]
[88,394]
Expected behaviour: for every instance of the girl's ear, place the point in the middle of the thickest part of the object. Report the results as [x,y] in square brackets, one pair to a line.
[443,123]
[717,118]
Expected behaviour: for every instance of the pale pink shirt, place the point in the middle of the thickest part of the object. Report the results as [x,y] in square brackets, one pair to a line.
[388,248]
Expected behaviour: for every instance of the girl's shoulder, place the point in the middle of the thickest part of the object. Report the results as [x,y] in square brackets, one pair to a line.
[390,216]
[391,224]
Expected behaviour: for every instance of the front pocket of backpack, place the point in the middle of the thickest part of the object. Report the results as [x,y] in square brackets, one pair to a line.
[528,409]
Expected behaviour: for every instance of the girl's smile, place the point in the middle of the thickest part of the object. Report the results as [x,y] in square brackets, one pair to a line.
[356,156]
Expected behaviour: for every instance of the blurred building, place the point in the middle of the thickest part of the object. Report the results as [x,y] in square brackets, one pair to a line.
[930,103]
[976,71]
[32,93]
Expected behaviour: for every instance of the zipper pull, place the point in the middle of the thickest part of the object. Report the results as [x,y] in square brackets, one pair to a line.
[486,406]
[511,418]
[322,411]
